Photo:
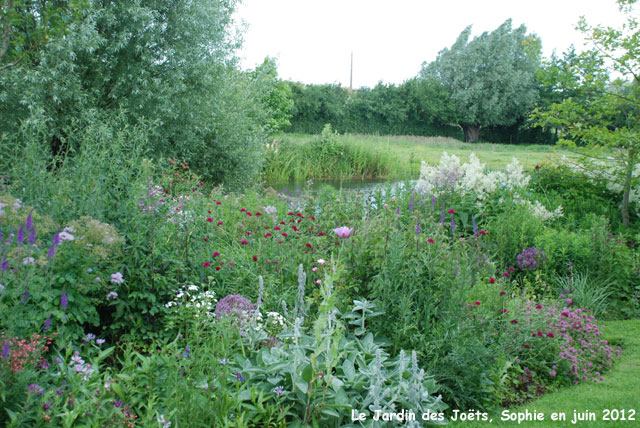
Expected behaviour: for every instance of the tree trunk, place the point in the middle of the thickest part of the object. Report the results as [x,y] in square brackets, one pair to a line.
[471,133]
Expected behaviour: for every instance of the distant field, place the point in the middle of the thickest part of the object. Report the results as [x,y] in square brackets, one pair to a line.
[411,150]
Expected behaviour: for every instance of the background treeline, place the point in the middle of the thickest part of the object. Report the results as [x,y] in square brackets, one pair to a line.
[416,107]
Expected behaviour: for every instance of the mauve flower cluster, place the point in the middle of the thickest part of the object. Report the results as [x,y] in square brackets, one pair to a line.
[234,305]
[582,347]
[530,259]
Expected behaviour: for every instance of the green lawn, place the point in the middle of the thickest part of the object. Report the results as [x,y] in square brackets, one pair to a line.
[412,150]
[621,389]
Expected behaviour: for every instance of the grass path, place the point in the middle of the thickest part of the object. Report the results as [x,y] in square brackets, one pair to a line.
[621,389]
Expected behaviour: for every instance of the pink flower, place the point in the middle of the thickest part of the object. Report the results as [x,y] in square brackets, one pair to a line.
[477,303]
[206,264]
[507,274]
[343,232]
[431,241]
[218,203]
[538,306]
[452,211]
[569,301]
[319,281]
[321,261]
[266,235]
[314,268]
[244,242]
[552,373]
[511,268]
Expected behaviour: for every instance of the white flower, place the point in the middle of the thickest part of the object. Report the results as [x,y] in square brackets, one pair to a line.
[116,278]
[28,260]
[65,236]
[112,295]
[270,209]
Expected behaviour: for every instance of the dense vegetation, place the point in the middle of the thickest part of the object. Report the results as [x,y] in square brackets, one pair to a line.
[147,280]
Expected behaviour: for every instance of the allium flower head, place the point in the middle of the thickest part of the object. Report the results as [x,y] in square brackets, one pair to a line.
[234,305]
[343,232]
[530,259]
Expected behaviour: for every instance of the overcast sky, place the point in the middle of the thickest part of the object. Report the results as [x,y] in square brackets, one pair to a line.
[312,40]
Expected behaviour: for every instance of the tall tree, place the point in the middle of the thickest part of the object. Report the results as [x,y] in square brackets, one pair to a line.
[602,115]
[491,78]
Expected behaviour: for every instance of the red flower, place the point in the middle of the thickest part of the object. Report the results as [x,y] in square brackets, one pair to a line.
[430,240]
[290,213]
[477,303]
[209,211]
[299,215]
[219,223]
[538,306]
[320,234]
[218,203]
[248,232]
[507,274]
[255,258]
[217,267]
[266,235]
[539,333]
[295,228]
[312,218]
[280,242]
[282,222]
[215,254]
[502,293]
[249,214]
[209,219]
[258,214]
[452,211]
[551,335]
[537,166]
[504,311]
[513,321]
[206,239]
[308,245]
[243,210]
[564,313]
[284,234]
[276,228]
[206,264]
[244,242]
[511,268]
[526,345]
[492,280]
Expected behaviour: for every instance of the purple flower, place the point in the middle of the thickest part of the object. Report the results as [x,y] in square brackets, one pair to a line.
[475,226]
[5,263]
[47,324]
[5,349]
[530,259]
[0,234]
[234,305]
[47,405]
[453,225]
[35,388]
[32,236]
[118,403]
[418,227]
[411,204]
[25,297]
[238,377]
[56,239]
[398,210]
[343,232]
[433,201]
[278,390]
[29,222]
[64,301]
[99,341]
[20,236]
[442,216]
[52,251]
[187,351]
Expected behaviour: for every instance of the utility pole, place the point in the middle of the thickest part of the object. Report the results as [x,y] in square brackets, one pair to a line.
[351,75]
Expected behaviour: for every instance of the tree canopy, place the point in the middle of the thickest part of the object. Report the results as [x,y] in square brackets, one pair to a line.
[598,112]
[491,79]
